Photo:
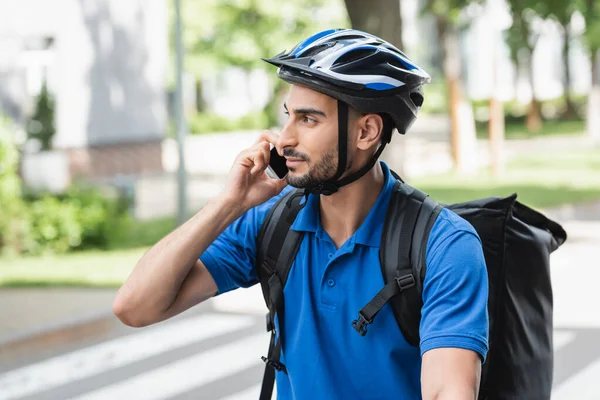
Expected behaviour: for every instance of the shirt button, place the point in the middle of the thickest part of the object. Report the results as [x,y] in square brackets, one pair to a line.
[330,255]
[331,283]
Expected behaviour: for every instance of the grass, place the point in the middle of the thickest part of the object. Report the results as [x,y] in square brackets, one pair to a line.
[144,233]
[90,268]
[540,180]
[518,130]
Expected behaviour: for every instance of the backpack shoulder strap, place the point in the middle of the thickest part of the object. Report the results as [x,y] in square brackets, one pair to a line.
[276,242]
[411,214]
[277,246]
[409,218]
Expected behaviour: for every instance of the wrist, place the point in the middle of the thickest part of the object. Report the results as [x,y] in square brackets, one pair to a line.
[231,206]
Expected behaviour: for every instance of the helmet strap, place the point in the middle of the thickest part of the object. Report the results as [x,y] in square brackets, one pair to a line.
[342,140]
[333,184]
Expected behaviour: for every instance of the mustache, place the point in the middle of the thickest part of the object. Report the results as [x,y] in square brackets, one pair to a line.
[293,154]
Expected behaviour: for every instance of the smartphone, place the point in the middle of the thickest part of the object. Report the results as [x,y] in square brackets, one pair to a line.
[277,168]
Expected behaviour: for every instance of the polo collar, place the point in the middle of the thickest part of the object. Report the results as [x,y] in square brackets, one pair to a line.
[369,233]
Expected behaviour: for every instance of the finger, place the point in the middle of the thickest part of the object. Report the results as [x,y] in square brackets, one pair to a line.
[259,161]
[268,136]
[262,155]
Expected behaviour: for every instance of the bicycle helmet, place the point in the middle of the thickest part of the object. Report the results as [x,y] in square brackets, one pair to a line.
[360,70]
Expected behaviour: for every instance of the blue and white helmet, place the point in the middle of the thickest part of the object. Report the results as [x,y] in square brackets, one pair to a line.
[360,69]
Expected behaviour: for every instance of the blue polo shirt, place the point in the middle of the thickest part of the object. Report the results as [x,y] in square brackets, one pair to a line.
[324,356]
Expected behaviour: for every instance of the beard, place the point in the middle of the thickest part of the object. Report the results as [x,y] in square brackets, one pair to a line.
[320,172]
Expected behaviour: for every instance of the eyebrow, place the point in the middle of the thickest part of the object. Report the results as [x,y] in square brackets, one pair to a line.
[309,110]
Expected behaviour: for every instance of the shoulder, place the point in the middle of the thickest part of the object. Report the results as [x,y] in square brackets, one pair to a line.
[448,228]
[454,249]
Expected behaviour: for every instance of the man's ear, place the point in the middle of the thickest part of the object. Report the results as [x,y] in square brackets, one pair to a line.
[370,127]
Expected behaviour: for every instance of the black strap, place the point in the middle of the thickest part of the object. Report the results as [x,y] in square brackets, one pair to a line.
[401,217]
[409,218]
[368,312]
[277,246]
[359,174]
[342,139]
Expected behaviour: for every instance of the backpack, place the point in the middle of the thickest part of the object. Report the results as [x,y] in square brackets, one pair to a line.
[517,242]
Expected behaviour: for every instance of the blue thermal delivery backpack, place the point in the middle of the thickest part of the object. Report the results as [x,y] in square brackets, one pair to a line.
[517,243]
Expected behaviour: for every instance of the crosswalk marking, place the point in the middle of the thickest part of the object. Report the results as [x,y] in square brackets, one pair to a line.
[116,353]
[191,374]
[182,376]
[585,385]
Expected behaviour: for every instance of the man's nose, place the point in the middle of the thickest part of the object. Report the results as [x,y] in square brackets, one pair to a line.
[287,137]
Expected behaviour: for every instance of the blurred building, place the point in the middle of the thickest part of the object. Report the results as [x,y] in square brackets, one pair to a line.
[105,62]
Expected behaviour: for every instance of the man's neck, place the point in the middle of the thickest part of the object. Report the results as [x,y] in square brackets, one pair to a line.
[343,213]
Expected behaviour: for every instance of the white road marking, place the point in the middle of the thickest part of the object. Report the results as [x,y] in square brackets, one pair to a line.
[116,353]
[182,376]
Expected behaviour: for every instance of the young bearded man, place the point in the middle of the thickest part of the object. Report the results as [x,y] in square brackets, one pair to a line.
[349,90]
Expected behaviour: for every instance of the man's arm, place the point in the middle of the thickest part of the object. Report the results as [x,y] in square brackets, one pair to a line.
[170,278]
[450,374]
[454,324]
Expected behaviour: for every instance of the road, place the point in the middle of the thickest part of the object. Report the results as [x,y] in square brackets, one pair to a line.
[213,351]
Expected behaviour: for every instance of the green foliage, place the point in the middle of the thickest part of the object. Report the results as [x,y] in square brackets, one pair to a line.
[222,33]
[214,123]
[103,220]
[591,12]
[446,12]
[561,10]
[81,218]
[13,229]
[41,125]
[521,35]
[53,226]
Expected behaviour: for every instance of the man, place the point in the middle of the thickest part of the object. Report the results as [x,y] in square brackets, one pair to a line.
[349,90]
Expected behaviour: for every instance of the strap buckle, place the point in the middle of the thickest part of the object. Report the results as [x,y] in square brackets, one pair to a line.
[274,364]
[405,282]
[361,323]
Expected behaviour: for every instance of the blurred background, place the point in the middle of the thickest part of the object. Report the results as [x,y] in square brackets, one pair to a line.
[120,119]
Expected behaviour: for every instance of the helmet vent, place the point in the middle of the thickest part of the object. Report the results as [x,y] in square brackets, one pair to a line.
[315,50]
[353,56]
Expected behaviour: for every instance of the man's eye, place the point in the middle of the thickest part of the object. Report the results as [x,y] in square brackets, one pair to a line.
[309,120]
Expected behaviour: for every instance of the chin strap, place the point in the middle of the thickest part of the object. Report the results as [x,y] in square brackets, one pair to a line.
[332,185]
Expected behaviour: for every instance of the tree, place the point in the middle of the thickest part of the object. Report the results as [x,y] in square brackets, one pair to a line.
[381,18]
[591,12]
[522,39]
[562,11]
[462,128]
[41,124]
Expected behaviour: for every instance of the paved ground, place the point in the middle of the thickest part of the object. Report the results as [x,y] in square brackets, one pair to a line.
[31,311]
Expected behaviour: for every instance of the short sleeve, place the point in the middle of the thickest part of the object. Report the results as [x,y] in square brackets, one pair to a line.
[455,290]
[231,258]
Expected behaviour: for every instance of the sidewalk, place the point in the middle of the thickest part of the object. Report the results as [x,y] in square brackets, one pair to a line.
[34,319]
